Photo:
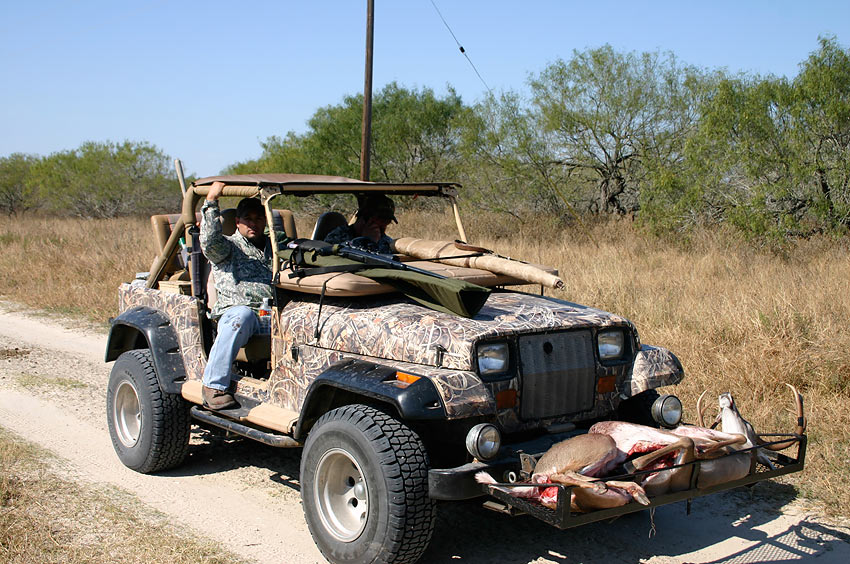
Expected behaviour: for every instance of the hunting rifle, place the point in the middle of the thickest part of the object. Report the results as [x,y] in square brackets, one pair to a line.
[366,259]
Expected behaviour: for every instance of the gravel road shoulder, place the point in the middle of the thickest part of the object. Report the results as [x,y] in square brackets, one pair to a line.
[246,496]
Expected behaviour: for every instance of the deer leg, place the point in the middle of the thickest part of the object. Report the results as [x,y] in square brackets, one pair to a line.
[632,488]
[672,480]
[643,461]
[588,499]
[736,440]
[575,479]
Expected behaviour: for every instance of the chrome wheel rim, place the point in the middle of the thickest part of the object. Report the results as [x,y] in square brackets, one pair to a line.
[127,414]
[342,495]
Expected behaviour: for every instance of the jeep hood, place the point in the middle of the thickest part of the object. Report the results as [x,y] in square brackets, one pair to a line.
[396,329]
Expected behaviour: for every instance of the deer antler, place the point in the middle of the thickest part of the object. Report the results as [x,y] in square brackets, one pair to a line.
[802,423]
[700,410]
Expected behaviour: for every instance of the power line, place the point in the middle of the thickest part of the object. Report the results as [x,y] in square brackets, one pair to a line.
[462,50]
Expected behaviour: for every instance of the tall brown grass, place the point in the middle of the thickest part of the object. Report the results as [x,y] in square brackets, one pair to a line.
[740,319]
[72,266]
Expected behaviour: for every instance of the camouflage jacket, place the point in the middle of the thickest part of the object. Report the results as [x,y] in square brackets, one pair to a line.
[344,234]
[242,272]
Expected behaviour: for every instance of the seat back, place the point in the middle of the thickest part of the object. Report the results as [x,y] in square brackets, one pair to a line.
[162,226]
[326,223]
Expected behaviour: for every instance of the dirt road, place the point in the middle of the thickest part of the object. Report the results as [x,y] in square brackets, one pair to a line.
[245,495]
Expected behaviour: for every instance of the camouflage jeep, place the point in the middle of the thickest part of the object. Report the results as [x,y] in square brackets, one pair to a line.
[396,404]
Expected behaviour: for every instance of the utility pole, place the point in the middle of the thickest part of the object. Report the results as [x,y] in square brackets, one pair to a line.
[367,93]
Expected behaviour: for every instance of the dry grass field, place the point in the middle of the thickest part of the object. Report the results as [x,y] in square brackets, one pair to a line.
[740,319]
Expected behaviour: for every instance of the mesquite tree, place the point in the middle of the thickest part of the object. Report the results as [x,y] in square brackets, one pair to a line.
[611,114]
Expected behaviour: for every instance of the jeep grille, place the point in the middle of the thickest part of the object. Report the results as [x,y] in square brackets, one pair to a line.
[558,374]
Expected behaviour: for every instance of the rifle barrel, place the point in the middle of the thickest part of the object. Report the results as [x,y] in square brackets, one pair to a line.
[367,257]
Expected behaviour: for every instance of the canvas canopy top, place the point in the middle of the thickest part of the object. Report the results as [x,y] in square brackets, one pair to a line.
[309,184]
[267,186]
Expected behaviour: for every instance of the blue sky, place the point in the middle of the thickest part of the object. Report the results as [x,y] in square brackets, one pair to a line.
[206,81]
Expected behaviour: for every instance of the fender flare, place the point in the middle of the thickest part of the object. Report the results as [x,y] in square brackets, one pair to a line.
[144,327]
[653,367]
[418,401]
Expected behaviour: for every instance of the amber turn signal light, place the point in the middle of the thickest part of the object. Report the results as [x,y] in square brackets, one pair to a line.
[406,378]
[506,399]
[606,384]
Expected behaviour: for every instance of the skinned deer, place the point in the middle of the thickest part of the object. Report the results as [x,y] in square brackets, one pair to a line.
[664,449]
[578,461]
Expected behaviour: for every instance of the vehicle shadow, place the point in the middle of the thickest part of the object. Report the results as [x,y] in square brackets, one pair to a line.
[739,526]
[212,452]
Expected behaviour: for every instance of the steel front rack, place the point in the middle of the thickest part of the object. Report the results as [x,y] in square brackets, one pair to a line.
[563,518]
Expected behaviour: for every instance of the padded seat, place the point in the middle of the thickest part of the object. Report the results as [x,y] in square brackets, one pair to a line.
[326,223]
[258,348]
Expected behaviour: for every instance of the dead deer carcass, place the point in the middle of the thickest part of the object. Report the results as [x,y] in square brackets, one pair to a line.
[578,461]
[659,450]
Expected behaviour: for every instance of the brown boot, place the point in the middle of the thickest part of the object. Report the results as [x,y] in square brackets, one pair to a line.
[217,399]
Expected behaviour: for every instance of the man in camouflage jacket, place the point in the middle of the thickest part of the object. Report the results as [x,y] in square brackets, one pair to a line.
[375,213]
[241,270]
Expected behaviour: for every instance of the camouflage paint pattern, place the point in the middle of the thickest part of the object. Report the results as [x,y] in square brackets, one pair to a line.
[393,328]
[182,311]
[435,345]
[395,332]
[654,367]
[463,393]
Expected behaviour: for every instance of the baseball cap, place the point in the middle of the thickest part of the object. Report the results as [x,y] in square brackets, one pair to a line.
[377,205]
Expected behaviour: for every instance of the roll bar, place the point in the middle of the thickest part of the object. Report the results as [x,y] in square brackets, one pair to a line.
[195,193]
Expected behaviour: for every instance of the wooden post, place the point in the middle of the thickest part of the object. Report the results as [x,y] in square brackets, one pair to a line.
[367,93]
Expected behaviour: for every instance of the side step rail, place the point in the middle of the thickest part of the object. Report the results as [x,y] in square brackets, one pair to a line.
[271,439]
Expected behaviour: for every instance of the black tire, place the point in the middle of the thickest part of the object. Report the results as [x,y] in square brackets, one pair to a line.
[638,409]
[149,428]
[364,488]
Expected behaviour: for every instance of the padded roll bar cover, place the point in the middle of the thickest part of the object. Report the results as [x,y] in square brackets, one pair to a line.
[145,327]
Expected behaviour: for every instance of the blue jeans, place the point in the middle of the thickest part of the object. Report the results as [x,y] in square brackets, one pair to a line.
[236,325]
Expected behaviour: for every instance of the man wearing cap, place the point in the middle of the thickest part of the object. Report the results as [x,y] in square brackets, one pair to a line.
[375,213]
[241,270]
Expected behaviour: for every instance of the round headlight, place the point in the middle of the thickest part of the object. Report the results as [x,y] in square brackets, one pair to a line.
[484,441]
[667,411]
